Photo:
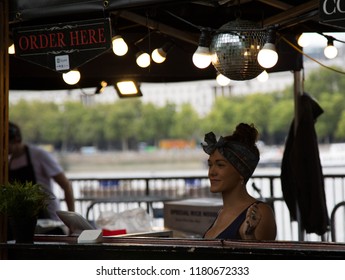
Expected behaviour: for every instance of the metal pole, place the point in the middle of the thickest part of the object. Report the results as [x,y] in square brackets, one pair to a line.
[298,90]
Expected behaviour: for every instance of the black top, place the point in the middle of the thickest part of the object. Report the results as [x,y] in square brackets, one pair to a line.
[232,231]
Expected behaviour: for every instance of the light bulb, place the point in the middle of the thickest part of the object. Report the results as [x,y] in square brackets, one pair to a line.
[263,77]
[101,87]
[143,59]
[127,87]
[202,57]
[11,49]
[330,51]
[71,77]
[267,56]
[120,47]
[158,55]
[303,40]
[222,80]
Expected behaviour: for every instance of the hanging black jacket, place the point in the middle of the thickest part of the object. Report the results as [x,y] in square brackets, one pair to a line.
[301,172]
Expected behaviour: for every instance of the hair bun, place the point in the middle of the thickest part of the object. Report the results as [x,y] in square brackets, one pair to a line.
[246,133]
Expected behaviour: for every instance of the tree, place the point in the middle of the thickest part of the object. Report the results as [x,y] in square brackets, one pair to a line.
[333,106]
[166,117]
[71,124]
[224,116]
[155,123]
[122,121]
[324,80]
[340,131]
[280,117]
[255,110]
[92,125]
[23,116]
[186,123]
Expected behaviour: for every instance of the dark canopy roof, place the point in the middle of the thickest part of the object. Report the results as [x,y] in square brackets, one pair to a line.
[153,23]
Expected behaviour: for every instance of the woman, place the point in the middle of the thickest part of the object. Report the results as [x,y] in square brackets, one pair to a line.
[232,161]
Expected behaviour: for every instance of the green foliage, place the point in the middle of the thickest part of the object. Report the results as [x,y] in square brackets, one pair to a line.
[22,200]
[224,116]
[340,131]
[185,123]
[323,80]
[155,123]
[333,106]
[280,116]
[122,121]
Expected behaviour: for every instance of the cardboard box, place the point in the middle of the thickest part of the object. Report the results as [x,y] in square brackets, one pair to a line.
[191,215]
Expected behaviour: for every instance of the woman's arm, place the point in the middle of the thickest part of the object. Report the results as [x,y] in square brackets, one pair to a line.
[259,223]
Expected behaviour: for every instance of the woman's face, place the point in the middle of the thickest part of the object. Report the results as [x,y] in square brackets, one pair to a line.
[223,176]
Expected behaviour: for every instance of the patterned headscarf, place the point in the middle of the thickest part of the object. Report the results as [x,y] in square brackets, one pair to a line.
[237,153]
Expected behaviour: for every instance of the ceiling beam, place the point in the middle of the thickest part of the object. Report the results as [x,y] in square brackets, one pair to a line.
[292,13]
[155,25]
[277,4]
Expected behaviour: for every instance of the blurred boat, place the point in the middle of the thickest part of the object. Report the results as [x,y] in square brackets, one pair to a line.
[332,155]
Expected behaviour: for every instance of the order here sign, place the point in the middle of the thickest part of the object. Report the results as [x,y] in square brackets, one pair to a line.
[64,46]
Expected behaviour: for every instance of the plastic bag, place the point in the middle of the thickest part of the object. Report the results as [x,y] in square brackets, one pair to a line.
[133,220]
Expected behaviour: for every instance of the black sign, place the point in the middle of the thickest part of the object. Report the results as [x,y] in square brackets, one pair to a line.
[64,46]
[332,12]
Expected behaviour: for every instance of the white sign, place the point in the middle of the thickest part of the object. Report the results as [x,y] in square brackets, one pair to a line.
[62,62]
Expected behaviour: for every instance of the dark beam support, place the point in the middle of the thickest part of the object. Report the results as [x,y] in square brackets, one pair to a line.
[154,25]
[292,13]
[277,4]
[4,87]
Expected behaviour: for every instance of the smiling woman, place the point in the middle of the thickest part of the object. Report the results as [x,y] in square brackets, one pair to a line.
[232,161]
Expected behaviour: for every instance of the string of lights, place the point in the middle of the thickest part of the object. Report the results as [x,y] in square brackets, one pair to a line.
[231,46]
[311,58]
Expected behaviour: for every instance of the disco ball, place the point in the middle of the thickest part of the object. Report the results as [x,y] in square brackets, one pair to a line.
[235,48]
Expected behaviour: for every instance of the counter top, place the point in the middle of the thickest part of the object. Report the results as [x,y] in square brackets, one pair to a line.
[66,247]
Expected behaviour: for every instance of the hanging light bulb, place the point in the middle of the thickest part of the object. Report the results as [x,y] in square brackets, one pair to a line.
[143,59]
[303,40]
[158,55]
[222,80]
[263,77]
[202,56]
[120,47]
[11,49]
[268,56]
[330,51]
[71,77]
[101,87]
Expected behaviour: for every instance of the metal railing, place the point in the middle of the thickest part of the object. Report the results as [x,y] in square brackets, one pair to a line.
[122,193]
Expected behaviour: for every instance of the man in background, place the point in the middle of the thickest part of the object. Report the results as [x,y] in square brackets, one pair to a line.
[33,164]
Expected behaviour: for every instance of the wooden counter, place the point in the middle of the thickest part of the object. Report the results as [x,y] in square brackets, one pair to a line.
[65,247]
